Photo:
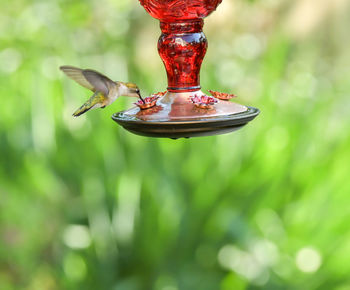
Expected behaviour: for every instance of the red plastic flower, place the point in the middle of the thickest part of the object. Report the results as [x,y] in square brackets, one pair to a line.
[221,96]
[149,102]
[148,112]
[160,94]
[204,101]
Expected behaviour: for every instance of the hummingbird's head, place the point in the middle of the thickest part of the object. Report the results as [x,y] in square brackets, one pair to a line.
[132,90]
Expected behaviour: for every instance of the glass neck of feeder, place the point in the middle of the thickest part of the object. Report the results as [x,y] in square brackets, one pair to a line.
[182,47]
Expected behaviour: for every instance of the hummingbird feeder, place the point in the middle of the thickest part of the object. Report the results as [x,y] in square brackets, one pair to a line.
[183,110]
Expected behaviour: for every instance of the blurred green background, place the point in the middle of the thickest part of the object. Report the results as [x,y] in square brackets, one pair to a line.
[87,205]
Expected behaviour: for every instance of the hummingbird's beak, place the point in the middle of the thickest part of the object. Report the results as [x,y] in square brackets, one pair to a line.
[143,101]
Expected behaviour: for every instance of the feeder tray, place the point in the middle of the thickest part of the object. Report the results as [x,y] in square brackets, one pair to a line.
[184,110]
[180,118]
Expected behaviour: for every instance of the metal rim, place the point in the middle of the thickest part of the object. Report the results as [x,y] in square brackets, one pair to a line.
[186,128]
[250,113]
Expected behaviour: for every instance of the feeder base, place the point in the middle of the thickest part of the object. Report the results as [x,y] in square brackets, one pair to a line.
[175,116]
[185,129]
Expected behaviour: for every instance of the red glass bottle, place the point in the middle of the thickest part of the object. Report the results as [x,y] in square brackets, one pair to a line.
[182,44]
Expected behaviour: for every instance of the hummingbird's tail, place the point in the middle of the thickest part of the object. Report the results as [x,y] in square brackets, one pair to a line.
[96,101]
[84,108]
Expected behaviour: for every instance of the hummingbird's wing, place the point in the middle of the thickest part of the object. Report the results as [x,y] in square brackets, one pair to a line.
[89,79]
[100,82]
[77,74]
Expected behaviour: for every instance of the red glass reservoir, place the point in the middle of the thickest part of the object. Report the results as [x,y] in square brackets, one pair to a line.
[182,47]
[178,10]
[182,44]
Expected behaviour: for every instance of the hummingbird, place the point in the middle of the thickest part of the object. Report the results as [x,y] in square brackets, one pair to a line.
[105,90]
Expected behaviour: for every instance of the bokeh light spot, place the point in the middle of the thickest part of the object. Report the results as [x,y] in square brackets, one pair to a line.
[77,237]
[308,260]
[10,60]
